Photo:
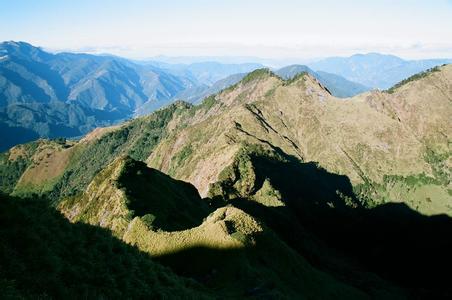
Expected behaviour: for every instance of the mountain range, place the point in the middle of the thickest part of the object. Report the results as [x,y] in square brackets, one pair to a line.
[375,70]
[68,94]
[271,188]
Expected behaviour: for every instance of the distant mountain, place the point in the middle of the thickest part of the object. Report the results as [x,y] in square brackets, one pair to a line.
[196,97]
[270,62]
[210,72]
[204,73]
[53,119]
[337,85]
[29,74]
[375,70]
[68,94]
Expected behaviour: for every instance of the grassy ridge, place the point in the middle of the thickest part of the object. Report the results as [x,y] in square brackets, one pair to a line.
[413,78]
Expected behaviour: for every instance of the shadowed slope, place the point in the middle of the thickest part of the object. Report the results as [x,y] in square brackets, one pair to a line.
[127,189]
[43,256]
[391,240]
[142,206]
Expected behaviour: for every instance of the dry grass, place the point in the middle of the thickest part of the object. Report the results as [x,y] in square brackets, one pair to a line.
[48,163]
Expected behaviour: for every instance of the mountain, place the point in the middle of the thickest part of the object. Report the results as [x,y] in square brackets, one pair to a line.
[68,94]
[375,70]
[211,72]
[211,77]
[31,75]
[65,94]
[196,96]
[271,188]
[337,85]
[204,73]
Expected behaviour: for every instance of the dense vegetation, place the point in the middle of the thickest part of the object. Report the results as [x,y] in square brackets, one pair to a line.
[12,169]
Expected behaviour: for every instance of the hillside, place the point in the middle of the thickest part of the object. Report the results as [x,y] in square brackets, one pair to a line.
[340,135]
[272,187]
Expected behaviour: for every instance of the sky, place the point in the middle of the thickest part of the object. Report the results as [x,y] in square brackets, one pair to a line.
[278,29]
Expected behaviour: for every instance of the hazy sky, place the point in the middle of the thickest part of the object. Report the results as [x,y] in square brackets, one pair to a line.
[275,29]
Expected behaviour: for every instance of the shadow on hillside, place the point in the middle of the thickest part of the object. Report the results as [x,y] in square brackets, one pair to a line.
[43,255]
[392,240]
[167,203]
[247,272]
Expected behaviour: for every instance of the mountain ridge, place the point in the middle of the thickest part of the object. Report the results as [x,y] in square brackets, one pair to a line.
[276,168]
[95,85]
[68,94]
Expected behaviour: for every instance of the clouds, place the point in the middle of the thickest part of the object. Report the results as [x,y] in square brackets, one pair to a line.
[261,28]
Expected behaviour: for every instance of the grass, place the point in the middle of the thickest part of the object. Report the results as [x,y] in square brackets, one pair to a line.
[295,78]
[169,221]
[258,74]
[413,78]
[420,192]
[174,205]
[180,158]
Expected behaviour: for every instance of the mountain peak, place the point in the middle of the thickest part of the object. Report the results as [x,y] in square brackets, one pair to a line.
[23,50]
[258,75]
[19,45]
